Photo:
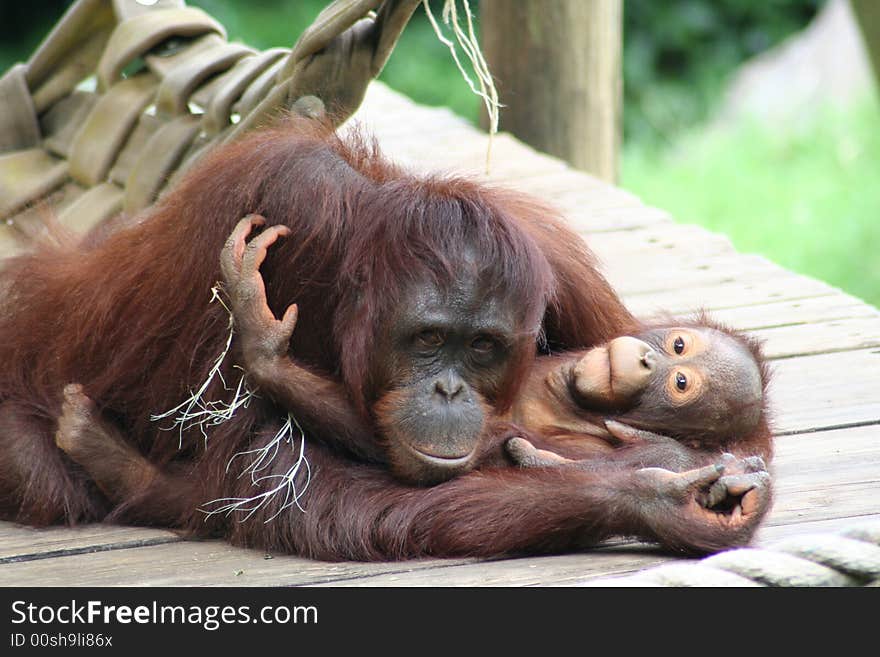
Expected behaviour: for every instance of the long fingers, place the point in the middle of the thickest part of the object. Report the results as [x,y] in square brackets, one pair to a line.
[628,435]
[758,497]
[288,322]
[753,464]
[682,484]
[697,478]
[527,455]
[741,485]
[255,251]
[233,251]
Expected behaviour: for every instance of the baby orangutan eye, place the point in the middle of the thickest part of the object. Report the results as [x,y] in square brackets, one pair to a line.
[678,345]
[681,381]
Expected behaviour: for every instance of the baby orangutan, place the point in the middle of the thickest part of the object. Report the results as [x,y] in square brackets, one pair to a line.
[670,396]
[676,399]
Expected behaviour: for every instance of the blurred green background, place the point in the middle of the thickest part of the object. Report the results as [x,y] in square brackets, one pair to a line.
[804,193]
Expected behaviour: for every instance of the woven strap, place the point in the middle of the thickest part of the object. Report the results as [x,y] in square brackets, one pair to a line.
[27,175]
[124,95]
[108,125]
[158,159]
[61,123]
[93,207]
[70,52]
[258,89]
[126,9]
[19,127]
[134,37]
[218,105]
[179,84]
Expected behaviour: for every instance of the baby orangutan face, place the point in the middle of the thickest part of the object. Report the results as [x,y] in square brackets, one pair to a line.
[691,383]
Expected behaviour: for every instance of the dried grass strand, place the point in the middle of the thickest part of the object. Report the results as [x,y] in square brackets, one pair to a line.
[470,45]
[279,483]
[194,411]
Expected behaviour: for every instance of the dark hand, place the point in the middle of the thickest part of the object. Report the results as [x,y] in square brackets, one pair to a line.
[263,336]
[723,502]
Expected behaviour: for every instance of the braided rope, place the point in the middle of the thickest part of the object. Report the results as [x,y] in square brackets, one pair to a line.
[847,558]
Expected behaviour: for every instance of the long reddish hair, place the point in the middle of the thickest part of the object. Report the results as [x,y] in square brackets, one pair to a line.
[131,318]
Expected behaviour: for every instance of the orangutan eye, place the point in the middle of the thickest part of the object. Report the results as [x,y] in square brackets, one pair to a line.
[482,344]
[678,345]
[429,338]
[681,381]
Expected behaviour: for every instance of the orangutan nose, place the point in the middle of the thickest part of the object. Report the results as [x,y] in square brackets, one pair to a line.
[632,364]
[448,386]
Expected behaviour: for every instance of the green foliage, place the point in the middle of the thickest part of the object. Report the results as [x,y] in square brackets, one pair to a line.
[807,195]
[676,57]
[679,53]
[23,25]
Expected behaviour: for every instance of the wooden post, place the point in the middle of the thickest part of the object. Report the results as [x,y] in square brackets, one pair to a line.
[867,13]
[557,66]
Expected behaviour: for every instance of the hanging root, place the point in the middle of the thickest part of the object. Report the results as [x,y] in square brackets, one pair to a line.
[469,43]
[194,411]
[276,483]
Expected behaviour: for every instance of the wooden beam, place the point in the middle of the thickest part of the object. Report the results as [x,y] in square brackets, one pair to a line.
[557,66]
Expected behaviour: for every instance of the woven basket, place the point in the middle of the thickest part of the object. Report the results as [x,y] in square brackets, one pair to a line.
[123,95]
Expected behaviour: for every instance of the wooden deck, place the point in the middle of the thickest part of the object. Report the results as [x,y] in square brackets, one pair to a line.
[824,346]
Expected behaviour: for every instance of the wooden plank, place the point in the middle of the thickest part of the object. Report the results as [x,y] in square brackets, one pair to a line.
[570,192]
[826,391]
[824,476]
[833,306]
[458,147]
[825,500]
[397,121]
[770,534]
[733,293]
[10,240]
[799,457]
[629,245]
[464,154]
[529,571]
[581,205]
[567,184]
[820,337]
[192,563]
[614,219]
[671,270]
[20,543]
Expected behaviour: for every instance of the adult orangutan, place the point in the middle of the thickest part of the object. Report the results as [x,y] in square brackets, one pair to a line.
[697,381]
[701,383]
[380,259]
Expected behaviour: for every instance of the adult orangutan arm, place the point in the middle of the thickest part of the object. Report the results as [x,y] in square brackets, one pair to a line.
[264,340]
